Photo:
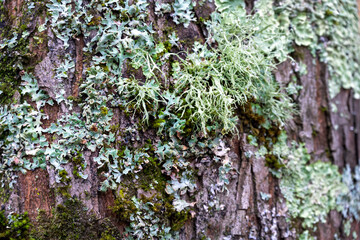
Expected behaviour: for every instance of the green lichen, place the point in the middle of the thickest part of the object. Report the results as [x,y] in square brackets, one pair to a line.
[329,28]
[183,12]
[191,109]
[350,201]
[214,82]
[310,189]
[15,56]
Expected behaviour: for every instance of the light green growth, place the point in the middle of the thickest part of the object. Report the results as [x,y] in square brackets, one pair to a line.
[183,12]
[311,189]
[173,39]
[306,236]
[141,98]
[331,28]
[66,22]
[214,82]
[124,73]
[347,227]
[252,140]
[22,134]
[124,41]
[145,224]
[350,201]
[162,8]
[226,5]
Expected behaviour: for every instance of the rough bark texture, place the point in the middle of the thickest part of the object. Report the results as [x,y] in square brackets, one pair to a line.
[242,213]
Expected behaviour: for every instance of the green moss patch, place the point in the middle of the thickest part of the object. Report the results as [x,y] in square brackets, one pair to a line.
[72,221]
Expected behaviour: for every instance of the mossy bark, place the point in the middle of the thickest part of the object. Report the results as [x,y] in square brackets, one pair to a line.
[242,212]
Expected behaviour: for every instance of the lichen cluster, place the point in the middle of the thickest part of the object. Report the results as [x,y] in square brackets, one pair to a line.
[329,29]
[310,189]
[186,110]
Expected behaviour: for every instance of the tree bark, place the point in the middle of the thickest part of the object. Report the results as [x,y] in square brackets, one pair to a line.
[241,213]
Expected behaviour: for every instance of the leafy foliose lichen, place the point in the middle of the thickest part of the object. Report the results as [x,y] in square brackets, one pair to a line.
[311,190]
[350,201]
[183,12]
[329,28]
[22,134]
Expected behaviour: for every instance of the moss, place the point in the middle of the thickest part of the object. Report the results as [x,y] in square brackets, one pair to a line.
[177,219]
[114,128]
[74,99]
[72,221]
[266,136]
[167,46]
[17,228]
[87,195]
[64,176]
[95,21]
[77,159]
[104,110]
[157,123]
[324,109]
[76,173]
[189,124]
[202,20]
[64,191]
[78,163]
[123,206]
[273,162]
[314,133]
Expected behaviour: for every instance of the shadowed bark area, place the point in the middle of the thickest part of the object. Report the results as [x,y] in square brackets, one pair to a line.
[238,213]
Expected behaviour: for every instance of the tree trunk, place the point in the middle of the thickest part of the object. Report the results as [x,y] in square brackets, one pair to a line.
[239,212]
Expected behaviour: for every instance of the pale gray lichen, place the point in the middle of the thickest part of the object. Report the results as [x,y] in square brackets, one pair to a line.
[329,27]
[310,190]
[183,12]
[350,201]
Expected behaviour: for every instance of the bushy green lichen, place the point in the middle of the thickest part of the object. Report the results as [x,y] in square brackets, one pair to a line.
[213,82]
